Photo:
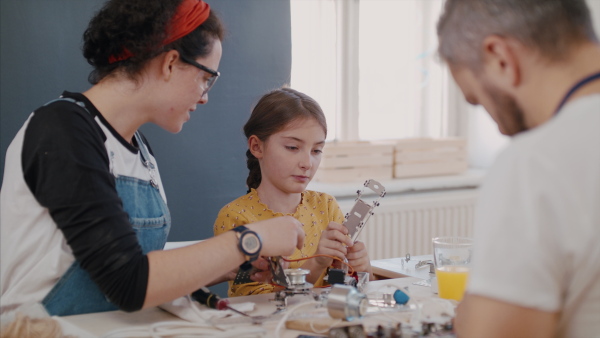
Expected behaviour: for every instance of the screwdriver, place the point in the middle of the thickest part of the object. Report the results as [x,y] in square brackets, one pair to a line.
[206,297]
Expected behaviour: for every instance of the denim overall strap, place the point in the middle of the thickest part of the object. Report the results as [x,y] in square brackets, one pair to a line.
[75,292]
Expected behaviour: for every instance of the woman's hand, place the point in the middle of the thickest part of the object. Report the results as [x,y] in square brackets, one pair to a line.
[280,236]
[333,242]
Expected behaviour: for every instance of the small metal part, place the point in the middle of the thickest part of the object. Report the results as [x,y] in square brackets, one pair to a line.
[424,282]
[376,187]
[237,311]
[295,284]
[356,219]
[296,276]
[387,299]
[279,276]
[344,302]
[352,331]
[356,331]
[428,263]
[363,280]
[431,267]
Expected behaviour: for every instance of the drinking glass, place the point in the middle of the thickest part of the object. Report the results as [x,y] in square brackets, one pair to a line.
[452,259]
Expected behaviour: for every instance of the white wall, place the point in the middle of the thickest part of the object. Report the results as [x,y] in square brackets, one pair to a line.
[485,141]
[595,9]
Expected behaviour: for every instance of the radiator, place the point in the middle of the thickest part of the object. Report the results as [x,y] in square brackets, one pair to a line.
[407,223]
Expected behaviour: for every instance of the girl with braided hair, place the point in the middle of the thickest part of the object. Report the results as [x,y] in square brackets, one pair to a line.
[286,134]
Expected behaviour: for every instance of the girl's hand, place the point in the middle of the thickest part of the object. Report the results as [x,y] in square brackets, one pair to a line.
[333,242]
[262,273]
[358,257]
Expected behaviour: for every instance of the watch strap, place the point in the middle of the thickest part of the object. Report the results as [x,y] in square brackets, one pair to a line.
[240,229]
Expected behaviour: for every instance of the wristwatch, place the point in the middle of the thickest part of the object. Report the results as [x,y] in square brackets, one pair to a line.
[249,244]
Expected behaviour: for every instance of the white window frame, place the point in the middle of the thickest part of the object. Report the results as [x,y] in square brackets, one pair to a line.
[347,35]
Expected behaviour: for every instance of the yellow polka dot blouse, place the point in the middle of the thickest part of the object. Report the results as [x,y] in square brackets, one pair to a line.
[315,212]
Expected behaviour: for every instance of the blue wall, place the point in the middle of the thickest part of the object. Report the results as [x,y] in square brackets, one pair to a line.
[203,167]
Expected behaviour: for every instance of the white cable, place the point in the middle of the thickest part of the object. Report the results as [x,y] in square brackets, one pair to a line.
[181,329]
[133,332]
[289,312]
[312,327]
[196,309]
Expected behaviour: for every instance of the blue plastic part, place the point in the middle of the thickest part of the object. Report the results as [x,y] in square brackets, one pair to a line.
[401,297]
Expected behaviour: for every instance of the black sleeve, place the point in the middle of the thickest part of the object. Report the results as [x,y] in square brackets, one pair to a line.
[66,167]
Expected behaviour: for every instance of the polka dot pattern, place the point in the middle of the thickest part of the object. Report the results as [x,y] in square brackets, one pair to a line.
[314,212]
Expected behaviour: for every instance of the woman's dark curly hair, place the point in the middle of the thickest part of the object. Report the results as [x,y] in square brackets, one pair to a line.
[140,26]
[273,113]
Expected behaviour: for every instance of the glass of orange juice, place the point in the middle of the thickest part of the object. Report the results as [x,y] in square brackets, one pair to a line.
[452,259]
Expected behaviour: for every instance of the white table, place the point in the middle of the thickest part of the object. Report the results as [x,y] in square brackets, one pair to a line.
[399,268]
[98,324]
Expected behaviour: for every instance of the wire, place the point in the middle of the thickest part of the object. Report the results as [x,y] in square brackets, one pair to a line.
[181,329]
[289,312]
[312,327]
[185,329]
[321,255]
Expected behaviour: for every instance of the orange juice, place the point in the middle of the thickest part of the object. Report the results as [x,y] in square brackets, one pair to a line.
[452,281]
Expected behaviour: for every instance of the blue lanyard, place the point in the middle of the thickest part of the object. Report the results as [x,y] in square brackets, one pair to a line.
[578,85]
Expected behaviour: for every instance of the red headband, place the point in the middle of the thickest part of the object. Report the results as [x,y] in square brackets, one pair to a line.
[190,14]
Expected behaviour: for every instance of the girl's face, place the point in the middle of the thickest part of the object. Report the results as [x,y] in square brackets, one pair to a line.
[290,158]
[185,92]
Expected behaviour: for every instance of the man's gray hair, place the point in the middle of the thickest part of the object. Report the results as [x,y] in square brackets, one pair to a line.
[549,26]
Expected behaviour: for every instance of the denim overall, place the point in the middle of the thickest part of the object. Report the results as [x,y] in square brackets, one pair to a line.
[75,292]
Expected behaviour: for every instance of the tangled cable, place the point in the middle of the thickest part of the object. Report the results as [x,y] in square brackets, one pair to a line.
[321,255]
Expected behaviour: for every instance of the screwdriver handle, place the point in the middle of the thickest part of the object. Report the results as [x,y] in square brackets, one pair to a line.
[206,297]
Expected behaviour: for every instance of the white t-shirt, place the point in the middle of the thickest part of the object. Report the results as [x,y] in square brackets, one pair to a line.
[537,225]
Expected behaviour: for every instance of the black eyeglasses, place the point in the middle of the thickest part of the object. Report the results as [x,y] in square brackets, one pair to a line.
[214,75]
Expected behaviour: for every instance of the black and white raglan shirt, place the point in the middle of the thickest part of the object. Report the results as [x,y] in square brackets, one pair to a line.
[59,203]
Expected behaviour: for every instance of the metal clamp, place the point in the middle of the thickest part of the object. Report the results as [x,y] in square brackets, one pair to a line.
[356,219]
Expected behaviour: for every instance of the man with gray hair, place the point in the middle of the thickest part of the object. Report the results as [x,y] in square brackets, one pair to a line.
[535,67]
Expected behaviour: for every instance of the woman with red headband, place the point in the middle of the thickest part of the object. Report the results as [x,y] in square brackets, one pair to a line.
[83,210]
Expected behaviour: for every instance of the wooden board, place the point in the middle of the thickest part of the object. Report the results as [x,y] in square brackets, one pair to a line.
[429,156]
[421,157]
[428,143]
[354,174]
[351,161]
[384,160]
[362,160]
[429,169]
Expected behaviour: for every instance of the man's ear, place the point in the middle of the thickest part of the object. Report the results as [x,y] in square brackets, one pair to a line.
[256,146]
[168,62]
[501,60]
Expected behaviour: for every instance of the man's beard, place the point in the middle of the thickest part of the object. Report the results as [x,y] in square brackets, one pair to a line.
[508,115]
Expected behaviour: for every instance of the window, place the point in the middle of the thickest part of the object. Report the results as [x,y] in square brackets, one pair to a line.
[372,65]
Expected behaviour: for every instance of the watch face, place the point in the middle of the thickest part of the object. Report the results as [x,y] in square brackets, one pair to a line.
[250,243]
